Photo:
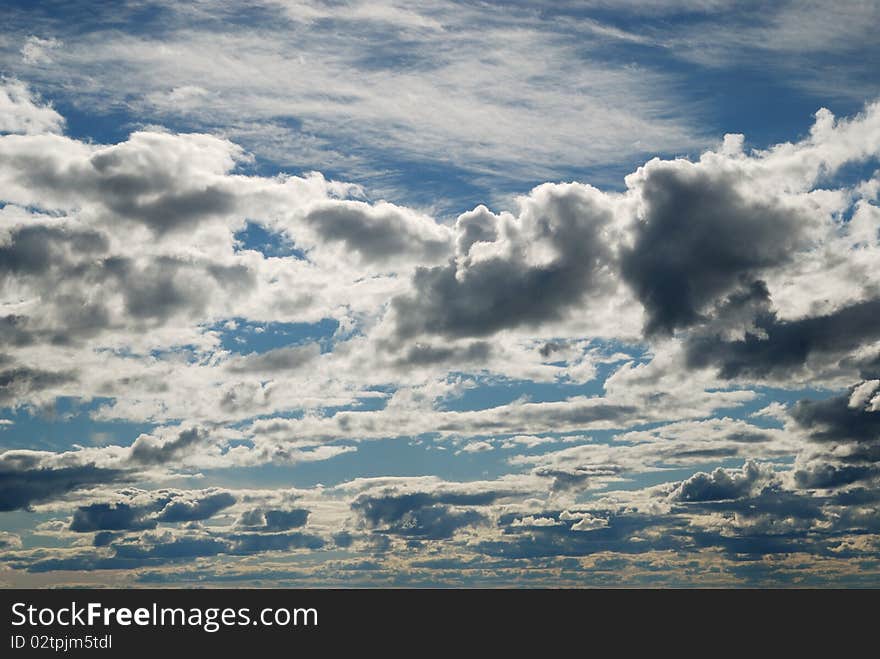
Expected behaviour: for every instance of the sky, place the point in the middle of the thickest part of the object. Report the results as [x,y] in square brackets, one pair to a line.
[440,294]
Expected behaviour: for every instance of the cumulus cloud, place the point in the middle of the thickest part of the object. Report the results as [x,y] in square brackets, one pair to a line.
[111,517]
[724,484]
[22,112]
[23,482]
[167,182]
[381,232]
[836,419]
[783,347]
[427,515]
[536,268]
[149,449]
[699,235]
[195,508]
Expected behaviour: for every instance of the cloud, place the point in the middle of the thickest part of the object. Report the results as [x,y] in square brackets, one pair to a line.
[866,395]
[724,484]
[37,51]
[166,182]
[273,520]
[539,266]
[589,523]
[701,235]
[278,359]
[22,112]
[603,322]
[828,476]
[25,384]
[111,517]
[250,543]
[195,508]
[780,348]
[836,420]
[143,511]
[423,515]
[149,450]
[507,116]
[381,232]
[21,486]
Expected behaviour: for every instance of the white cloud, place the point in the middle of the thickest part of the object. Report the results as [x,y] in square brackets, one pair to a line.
[22,112]
[38,51]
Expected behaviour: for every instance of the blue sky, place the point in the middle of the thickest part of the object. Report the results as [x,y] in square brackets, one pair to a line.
[583,291]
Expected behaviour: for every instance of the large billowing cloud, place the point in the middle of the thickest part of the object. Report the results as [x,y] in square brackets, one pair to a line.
[514,271]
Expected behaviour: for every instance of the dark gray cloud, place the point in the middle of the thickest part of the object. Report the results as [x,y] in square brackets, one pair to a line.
[151,549]
[18,383]
[825,476]
[700,237]
[550,347]
[835,420]
[54,261]
[780,348]
[169,507]
[191,509]
[104,538]
[111,517]
[38,249]
[166,286]
[425,515]
[288,358]
[21,486]
[769,504]
[502,292]
[148,450]
[251,543]
[377,233]
[273,520]
[547,541]
[425,354]
[175,549]
[845,434]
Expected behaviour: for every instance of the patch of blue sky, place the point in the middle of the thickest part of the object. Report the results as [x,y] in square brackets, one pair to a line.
[444,188]
[493,393]
[758,103]
[270,244]
[23,523]
[98,125]
[67,423]
[84,18]
[374,458]
[242,336]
